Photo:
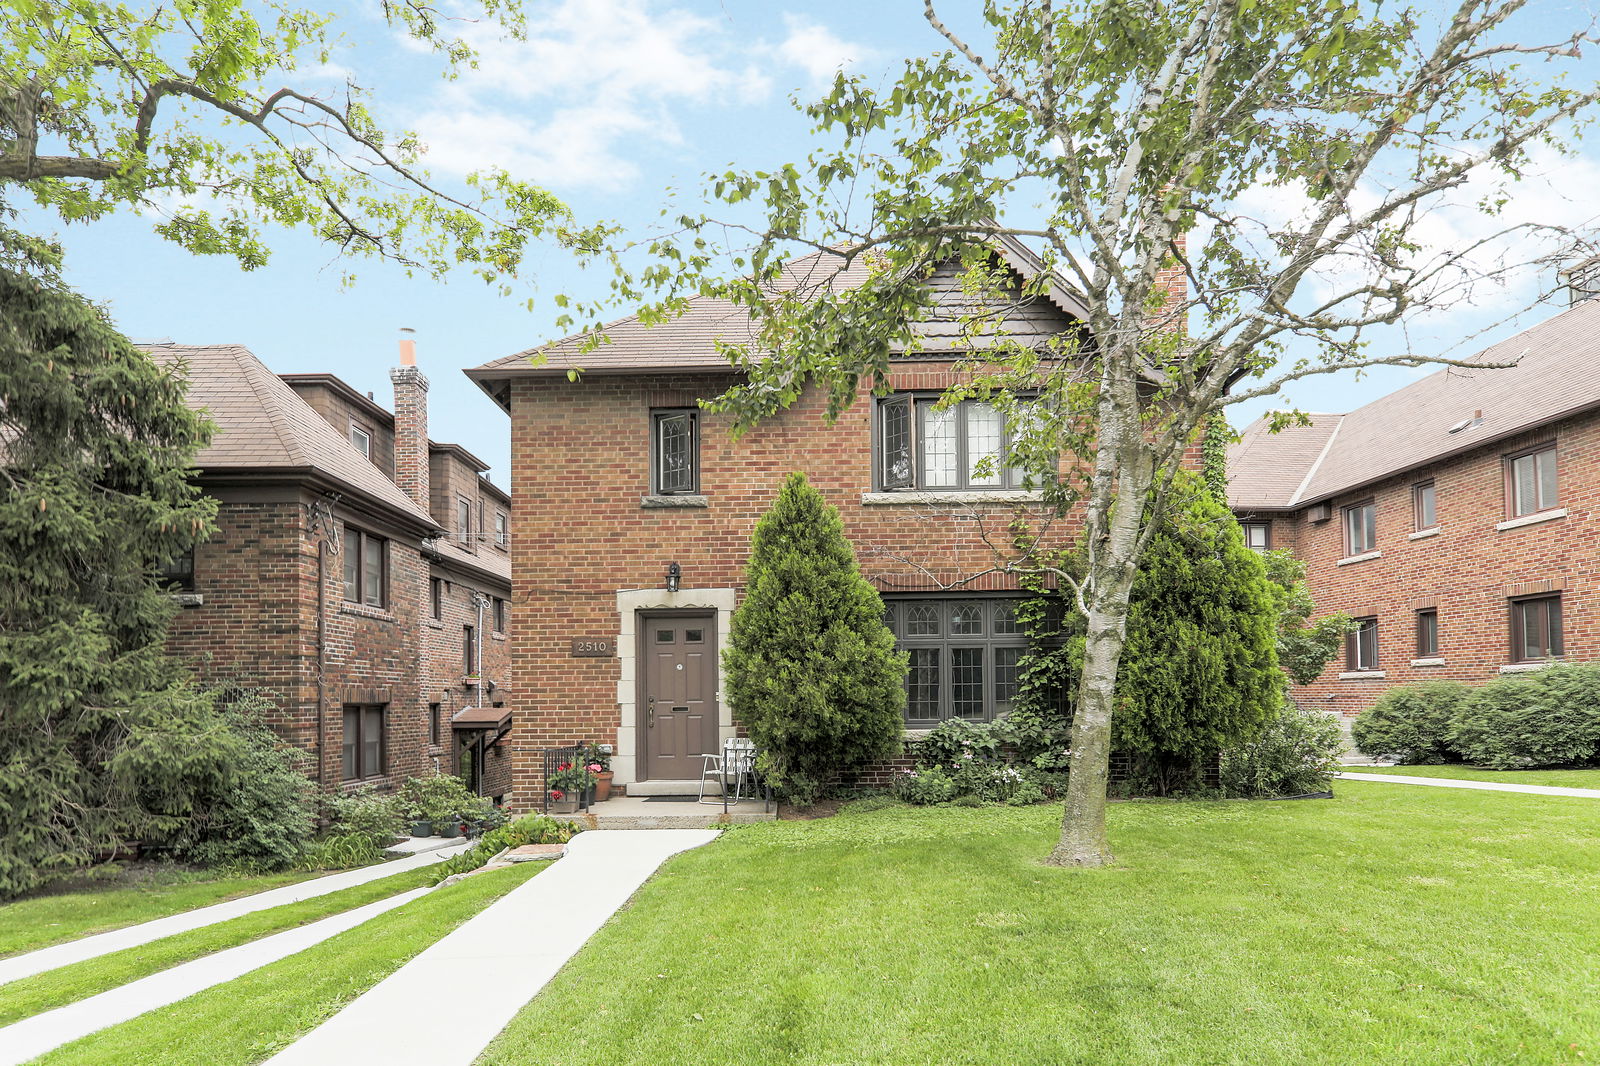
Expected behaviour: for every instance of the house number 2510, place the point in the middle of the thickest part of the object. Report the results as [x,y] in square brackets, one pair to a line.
[594,646]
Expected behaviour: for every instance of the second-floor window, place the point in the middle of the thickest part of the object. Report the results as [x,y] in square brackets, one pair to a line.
[675,452]
[1536,629]
[1428,633]
[469,651]
[464,522]
[499,615]
[502,529]
[964,446]
[1424,504]
[1531,481]
[436,597]
[1360,528]
[1257,535]
[1361,645]
[365,567]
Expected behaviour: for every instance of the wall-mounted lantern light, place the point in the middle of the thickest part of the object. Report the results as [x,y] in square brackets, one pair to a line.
[674,575]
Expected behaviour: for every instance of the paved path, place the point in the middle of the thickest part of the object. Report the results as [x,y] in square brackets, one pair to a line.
[501,957]
[90,947]
[34,1036]
[1488,786]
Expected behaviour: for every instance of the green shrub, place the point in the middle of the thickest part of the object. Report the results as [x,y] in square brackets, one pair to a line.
[1411,723]
[340,852]
[439,798]
[1026,793]
[1551,718]
[926,786]
[364,812]
[529,829]
[811,669]
[1296,754]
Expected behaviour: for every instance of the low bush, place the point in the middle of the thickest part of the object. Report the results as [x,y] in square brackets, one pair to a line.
[529,829]
[1550,718]
[340,852]
[1412,723]
[926,785]
[441,798]
[364,812]
[1295,754]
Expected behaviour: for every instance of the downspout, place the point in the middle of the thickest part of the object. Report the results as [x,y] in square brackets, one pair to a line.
[327,533]
[480,601]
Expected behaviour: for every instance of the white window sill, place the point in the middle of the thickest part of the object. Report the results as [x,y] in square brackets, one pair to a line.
[367,612]
[915,734]
[1423,534]
[1532,519]
[187,599]
[874,499]
[1363,675]
[1363,557]
[497,636]
[670,502]
[433,623]
[1523,668]
[1427,662]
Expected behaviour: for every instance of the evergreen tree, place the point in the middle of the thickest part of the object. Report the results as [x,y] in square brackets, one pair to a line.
[811,669]
[101,737]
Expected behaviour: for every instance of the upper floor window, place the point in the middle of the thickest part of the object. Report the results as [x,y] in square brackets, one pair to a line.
[964,446]
[464,521]
[1257,535]
[1361,645]
[361,437]
[1428,633]
[1536,629]
[1360,528]
[675,448]
[499,615]
[502,529]
[1424,505]
[365,567]
[177,573]
[436,597]
[964,656]
[1531,481]
[469,650]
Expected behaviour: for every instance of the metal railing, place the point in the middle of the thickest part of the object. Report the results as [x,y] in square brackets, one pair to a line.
[553,758]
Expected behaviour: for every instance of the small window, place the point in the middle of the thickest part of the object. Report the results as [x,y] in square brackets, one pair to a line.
[1257,535]
[1428,634]
[694,636]
[366,566]
[434,724]
[1531,481]
[499,615]
[676,446]
[436,597]
[664,636]
[177,573]
[963,447]
[1361,645]
[469,651]
[1536,629]
[362,439]
[502,529]
[1360,528]
[464,522]
[1424,506]
[364,742]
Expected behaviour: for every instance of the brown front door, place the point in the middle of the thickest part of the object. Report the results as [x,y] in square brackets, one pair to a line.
[679,695]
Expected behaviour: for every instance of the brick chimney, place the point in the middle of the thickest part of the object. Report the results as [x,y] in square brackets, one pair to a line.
[410,424]
[1172,316]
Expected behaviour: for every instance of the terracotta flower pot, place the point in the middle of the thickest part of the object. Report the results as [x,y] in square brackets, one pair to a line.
[602,785]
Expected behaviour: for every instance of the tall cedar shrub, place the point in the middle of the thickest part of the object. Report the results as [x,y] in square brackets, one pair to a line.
[1411,723]
[811,669]
[99,731]
[1551,718]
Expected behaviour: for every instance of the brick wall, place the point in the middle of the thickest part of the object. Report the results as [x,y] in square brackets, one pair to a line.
[443,679]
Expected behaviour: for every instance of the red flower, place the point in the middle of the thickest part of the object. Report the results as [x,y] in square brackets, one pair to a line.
[556,793]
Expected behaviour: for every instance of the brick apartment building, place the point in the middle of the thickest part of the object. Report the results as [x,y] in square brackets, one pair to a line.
[1455,518]
[360,573]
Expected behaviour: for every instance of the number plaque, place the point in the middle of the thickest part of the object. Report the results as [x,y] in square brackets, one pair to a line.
[600,647]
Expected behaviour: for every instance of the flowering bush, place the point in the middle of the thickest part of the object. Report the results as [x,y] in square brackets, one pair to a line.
[570,780]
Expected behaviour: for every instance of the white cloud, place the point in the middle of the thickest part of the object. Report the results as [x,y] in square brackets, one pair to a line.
[816,50]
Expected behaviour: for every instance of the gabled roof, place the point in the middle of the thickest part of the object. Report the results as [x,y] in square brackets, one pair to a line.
[688,342]
[264,428]
[1557,374]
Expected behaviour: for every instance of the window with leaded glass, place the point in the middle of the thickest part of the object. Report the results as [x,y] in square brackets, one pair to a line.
[676,452]
[966,446]
[964,656]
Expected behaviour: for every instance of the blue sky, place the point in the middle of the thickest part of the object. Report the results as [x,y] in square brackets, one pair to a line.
[610,104]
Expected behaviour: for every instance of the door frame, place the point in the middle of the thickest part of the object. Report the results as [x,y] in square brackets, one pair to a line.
[642,618]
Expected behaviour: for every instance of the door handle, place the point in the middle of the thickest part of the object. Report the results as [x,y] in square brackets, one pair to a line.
[650,715]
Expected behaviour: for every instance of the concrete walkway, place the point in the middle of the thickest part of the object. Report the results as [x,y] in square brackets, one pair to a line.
[34,1036]
[1487,786]
[501,958]
[90,947]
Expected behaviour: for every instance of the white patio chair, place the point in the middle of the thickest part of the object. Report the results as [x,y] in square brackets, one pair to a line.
[733,770]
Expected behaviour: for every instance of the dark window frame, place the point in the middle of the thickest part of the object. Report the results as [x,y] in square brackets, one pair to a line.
[1361,646]
[1509,467]
[907,407]
[355,748]
[177,573]
[435,724]
[1553,638]
[1421,492]
[680,483]
[1427,633]
[1369,527]
[1266,539]
[360,546]
[436,598]
[469,651]
[499,614]
[988,643]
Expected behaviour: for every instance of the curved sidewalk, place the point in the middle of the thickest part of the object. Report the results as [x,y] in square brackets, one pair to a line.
[90,947]
[504,955]
[1487,786]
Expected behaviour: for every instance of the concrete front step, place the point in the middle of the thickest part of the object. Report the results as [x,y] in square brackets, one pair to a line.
[672,788]
[634,812]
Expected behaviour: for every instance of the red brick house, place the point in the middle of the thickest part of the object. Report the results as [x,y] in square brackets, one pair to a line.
[634,511]
[1455,518]
[360,573]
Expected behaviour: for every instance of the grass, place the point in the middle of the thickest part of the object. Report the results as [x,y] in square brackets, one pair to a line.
[68,984]
[138,893]
[1564,778]
[1384,926]
[252,1018]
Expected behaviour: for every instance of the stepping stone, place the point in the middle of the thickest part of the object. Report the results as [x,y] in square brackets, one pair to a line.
[535,853]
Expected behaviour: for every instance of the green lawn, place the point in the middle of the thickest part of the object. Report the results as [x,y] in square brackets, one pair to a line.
[142,892]
[1565,778]
[1388,925]
[252,1018]
[33,995]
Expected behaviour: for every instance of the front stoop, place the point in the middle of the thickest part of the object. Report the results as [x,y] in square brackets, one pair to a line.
[634,812]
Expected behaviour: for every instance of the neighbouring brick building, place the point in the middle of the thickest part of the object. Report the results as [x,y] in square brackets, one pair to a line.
[360,573]
[1455,518]
[634,512]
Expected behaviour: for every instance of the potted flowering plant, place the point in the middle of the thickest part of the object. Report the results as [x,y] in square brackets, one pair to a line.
[598,763]
[567,785]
